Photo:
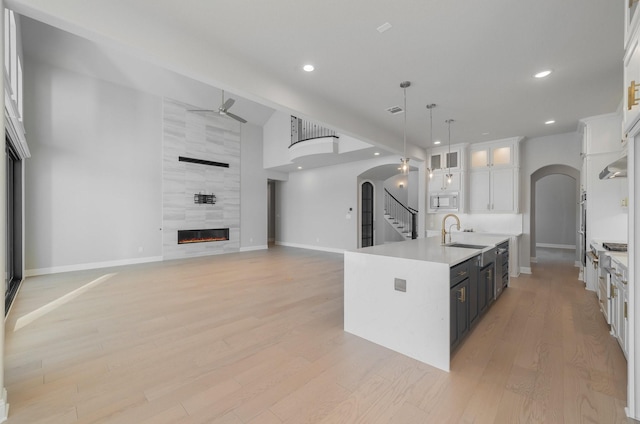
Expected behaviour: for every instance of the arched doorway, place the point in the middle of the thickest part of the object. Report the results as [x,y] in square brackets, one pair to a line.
[568,200]
[366,217]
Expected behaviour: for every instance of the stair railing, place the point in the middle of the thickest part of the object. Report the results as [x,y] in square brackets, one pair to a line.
[404,217]
[303,130]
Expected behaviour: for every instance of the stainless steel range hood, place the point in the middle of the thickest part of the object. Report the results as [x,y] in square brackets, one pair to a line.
[615,169]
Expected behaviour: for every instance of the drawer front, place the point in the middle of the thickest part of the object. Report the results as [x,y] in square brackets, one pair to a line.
[459,272]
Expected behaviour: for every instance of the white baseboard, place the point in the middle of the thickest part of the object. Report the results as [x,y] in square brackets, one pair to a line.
[557,246]
[311,247]
[577,264]
[525,270]
[92,265]
[252,248]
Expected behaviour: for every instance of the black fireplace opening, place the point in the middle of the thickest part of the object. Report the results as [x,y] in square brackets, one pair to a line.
[203,236]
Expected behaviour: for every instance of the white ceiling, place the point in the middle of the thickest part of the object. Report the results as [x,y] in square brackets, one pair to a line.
[474,59]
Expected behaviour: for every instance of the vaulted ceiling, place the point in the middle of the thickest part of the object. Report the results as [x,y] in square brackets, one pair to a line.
[475,60]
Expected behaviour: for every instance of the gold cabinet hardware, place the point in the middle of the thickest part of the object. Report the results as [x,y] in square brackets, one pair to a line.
[461,273]
[612,289]
[632,90]
[624,282]
[618,274]
[462,294]
[625,309]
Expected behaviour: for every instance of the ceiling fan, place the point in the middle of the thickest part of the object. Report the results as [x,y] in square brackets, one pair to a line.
[223,110]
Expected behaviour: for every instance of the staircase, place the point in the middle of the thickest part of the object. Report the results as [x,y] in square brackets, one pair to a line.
[401,217]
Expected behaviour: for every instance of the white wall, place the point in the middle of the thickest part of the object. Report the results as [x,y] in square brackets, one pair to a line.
[253,190]
[277,138]
[556,211]
[93,184]
[535,153]
[313,205]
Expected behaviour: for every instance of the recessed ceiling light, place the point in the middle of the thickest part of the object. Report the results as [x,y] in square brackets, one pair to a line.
[377,154]
[384,27]
[308,68]
[437,142]
[549,122]
[543,74]
[299,167]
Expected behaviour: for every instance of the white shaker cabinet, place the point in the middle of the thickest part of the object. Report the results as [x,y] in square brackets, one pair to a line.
[439,182]
[493,191]
[494,176]
[494,156]
[631,107]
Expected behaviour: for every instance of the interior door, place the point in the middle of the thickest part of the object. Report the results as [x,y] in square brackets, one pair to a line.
[366,219]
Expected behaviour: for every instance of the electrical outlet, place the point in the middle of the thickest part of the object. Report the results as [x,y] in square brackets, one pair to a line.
[624,202]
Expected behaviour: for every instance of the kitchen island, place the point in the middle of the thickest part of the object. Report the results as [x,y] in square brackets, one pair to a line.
[398,295]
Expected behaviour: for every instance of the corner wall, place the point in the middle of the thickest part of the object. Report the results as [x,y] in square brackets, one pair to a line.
[535,153]
[93,184]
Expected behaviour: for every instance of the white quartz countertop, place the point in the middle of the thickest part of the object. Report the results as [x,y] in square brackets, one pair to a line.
[620,257]
[431,250]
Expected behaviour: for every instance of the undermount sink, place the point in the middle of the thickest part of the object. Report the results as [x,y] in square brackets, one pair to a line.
[465,246]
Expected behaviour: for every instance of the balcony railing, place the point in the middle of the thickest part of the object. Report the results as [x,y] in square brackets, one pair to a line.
[303,130]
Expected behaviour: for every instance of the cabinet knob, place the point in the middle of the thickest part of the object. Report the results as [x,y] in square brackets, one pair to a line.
[632,90]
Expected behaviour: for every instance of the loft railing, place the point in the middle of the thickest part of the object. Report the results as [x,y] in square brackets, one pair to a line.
[303,130]
[404,217]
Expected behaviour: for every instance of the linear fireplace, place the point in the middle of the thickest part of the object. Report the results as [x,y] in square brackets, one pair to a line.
[202,236]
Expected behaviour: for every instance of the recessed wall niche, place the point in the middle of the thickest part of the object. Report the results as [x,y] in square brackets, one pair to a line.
[207,138]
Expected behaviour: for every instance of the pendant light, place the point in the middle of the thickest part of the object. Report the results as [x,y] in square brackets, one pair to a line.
[405,160]
[430,107]
[448,159]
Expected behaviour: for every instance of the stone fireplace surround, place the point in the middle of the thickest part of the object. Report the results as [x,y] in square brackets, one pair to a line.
[208,138]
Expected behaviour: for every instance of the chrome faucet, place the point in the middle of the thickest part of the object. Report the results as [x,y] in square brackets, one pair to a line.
[444,231]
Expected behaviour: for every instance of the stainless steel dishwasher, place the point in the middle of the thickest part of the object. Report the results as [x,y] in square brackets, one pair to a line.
[502,268]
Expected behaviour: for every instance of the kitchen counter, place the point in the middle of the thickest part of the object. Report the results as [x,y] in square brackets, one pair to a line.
[398,295]
[621,257]
[431,250]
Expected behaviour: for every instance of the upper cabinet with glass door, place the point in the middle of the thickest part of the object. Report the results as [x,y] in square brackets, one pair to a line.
[496,154]
[441,160]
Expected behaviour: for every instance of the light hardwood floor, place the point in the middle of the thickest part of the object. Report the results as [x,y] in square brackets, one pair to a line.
[257,338]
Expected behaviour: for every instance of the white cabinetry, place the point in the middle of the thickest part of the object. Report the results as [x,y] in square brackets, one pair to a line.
[441,160]
[620,299]
[440,182]
[494,176]
[631,108]
[500,154]
[445,162]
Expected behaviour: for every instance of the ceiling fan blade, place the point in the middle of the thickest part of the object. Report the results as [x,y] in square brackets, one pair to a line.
[202,110]
[226,105]
[236,117]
